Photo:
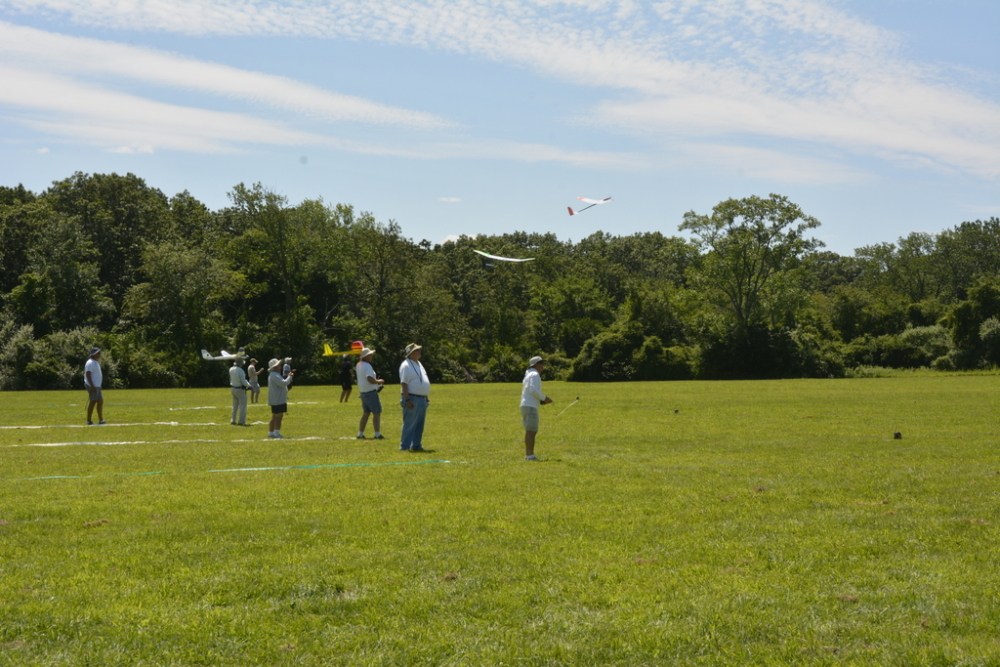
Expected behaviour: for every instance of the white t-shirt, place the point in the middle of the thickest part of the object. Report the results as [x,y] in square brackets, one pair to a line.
[364,370]
[531,389]
[413,375]
[96,377]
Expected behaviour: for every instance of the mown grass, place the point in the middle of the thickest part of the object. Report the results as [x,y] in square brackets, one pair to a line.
[712,523]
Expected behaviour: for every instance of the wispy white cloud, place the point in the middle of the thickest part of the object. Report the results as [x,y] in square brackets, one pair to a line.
[449,200]
[772,165]
[124,122]
[101,60]
[722,75]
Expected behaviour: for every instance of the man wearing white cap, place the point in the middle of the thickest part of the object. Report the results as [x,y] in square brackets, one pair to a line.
[369,386]
[531,398]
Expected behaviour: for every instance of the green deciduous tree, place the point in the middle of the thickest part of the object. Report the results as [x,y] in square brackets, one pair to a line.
[748,243]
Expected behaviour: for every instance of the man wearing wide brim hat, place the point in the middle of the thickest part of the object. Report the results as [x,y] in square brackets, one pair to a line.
[277,396]
[369,385]
[415,388]
[531,398]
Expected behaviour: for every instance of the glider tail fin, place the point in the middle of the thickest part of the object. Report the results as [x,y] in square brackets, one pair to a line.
[571,211]
[206,355]
[327,351]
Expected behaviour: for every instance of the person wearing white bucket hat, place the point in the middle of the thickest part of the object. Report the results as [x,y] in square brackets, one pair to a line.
[415,388]
[369,385]
[277,396]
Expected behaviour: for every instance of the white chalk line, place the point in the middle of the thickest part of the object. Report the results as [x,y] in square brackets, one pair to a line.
[35,428]
[228,407]
[156,442]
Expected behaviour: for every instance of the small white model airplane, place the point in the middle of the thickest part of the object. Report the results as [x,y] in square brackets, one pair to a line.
[224,356]
[592,202]
[503,259]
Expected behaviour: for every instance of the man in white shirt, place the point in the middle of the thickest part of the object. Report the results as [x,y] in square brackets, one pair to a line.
[92,379]
[238,385]
[415,388]
[531,398]
[277,397]
[369,386]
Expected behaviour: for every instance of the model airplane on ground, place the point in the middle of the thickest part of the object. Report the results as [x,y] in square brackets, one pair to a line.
[503,259]
[356,348]
[224,356]
[592,202]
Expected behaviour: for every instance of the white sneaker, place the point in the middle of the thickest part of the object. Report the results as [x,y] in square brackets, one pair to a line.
[531,458]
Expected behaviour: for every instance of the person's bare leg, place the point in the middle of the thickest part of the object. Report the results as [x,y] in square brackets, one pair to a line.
[529,443]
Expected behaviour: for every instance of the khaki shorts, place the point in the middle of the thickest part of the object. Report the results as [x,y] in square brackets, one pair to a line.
[529,417]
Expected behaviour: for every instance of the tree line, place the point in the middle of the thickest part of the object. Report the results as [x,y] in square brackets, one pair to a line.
[107,260]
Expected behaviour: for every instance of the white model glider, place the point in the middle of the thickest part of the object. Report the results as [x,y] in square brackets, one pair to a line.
[592,202]
[224,356]
[503,259]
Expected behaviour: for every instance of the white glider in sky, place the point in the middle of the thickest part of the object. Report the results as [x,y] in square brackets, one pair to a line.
[592,202]
[224,356]
[503,259]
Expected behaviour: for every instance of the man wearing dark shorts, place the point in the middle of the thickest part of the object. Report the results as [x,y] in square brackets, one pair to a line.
[92,380]
[277,396]
[346,378]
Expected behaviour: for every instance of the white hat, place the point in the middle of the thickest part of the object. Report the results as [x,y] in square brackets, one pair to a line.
[367,353]
[274,363]
[411,348]
[535,360]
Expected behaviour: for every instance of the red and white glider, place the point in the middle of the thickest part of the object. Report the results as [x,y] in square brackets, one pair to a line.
[592,202]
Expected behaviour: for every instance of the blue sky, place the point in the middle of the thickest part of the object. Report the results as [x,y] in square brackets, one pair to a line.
[878,117]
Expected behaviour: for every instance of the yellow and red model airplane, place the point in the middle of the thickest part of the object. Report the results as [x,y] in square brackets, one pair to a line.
[356,348]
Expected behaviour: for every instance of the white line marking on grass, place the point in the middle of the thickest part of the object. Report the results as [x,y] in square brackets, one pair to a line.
[167,472]
[123,442]
[152,442]
[107,425]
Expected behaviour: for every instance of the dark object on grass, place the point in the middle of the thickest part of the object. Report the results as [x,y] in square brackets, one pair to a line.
[897,436]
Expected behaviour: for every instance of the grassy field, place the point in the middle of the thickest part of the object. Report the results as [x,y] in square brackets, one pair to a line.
[711,523]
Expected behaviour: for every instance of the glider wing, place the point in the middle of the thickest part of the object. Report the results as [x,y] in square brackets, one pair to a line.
[223,355]
[503,259]
[591,202]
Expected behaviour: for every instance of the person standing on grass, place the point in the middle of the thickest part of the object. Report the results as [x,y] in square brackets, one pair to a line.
[415,388]
[253,376]
[346,379]
[369,386]
[531,398]
[238,387]
[277,396]
[92,379]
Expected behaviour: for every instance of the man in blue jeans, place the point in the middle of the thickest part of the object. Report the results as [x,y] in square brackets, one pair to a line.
[415,388]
